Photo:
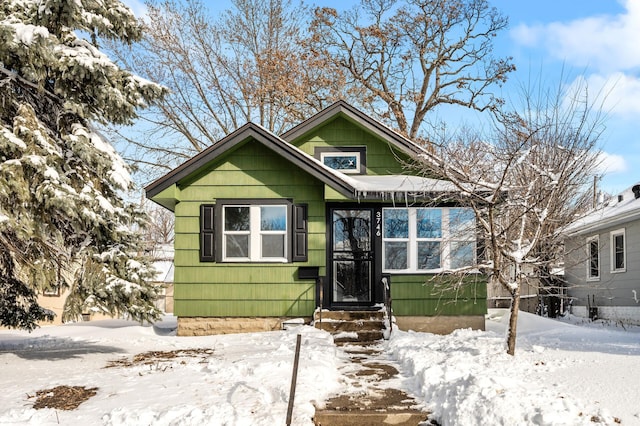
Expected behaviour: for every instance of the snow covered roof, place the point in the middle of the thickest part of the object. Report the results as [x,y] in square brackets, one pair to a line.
[397,186]
[620,209]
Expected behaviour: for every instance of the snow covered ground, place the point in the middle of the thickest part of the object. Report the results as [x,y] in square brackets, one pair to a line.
[562,374]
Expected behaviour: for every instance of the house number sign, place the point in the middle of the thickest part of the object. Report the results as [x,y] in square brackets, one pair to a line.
[378,223]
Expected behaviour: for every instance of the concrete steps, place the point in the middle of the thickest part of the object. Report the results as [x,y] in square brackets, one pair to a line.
[352,326]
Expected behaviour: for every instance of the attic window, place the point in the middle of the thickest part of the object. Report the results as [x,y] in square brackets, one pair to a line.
[348,160]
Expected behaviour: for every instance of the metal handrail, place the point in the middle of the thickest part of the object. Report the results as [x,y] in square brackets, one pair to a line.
[387,300]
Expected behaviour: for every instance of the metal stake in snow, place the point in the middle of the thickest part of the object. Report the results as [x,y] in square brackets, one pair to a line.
[292,392]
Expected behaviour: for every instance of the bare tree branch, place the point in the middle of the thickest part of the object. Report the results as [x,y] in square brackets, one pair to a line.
[525,183]
[411,56]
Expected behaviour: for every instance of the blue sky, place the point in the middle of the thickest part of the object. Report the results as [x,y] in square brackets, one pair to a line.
[598,41]
[594,40]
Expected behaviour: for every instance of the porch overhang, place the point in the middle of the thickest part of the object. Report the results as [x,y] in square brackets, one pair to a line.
[403,189]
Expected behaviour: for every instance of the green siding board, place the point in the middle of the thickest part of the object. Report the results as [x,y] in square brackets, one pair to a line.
[249,292]
[245,289]
[439,307]
[191,258]
[187,225]
[224,308]
[240,273]
[425,287]
[381,157]
[192,208]
[438,295]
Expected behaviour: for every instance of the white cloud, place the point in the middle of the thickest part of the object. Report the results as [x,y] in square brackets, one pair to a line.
[615,94]
[621,91]
[611,163]
[605,43]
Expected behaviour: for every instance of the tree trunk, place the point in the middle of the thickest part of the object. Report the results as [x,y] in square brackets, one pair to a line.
[513,321]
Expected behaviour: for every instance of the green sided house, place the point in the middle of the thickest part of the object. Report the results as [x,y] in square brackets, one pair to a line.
[269,228]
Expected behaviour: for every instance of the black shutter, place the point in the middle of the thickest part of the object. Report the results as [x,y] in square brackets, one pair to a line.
[207,233]
[299,232]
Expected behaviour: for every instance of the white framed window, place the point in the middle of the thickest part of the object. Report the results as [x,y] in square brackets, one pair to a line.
[345,162]
[618,251]
[593,258]
[345,159]
[420,239]
[255,233]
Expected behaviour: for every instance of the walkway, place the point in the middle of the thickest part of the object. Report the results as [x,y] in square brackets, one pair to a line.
[374,397]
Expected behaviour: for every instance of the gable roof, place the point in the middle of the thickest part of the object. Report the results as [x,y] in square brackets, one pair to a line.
[618,210]
[342,108]
[251,131]
[350,186]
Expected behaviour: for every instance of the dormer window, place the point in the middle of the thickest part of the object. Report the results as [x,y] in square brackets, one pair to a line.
[348,159]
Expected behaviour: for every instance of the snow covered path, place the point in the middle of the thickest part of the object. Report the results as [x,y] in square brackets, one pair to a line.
[562,374]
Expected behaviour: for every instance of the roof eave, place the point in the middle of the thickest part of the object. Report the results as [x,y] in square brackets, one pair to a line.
[608,222]
[248,131]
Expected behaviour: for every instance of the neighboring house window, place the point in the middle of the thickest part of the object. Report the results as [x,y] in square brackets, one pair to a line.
[253,231]
[428,239]
[618,255]
[349,160]
[593,263]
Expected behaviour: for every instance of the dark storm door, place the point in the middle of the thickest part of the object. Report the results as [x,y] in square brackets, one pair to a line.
[352,256]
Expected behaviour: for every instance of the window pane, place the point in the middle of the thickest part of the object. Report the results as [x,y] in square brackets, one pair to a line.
[429,223]
[341,162]
[594,267]
[619,251]
[395,255]
[236,218]
[273,245]
[428,255]
[396,223]
[237,246]
[352,230]
[461,254]
[352,281]
[273,218]
[462,222]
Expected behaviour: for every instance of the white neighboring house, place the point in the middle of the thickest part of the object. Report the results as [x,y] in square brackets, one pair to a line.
[602,260]
[163,264]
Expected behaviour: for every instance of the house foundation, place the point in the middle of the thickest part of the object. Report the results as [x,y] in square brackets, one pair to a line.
[206,326]
[626,315]
[440,324]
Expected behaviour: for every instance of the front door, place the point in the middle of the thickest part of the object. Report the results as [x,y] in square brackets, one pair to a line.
[352,268]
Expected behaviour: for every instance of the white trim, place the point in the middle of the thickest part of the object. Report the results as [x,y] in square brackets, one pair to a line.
[255,235]
[612,236]
[332,154]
